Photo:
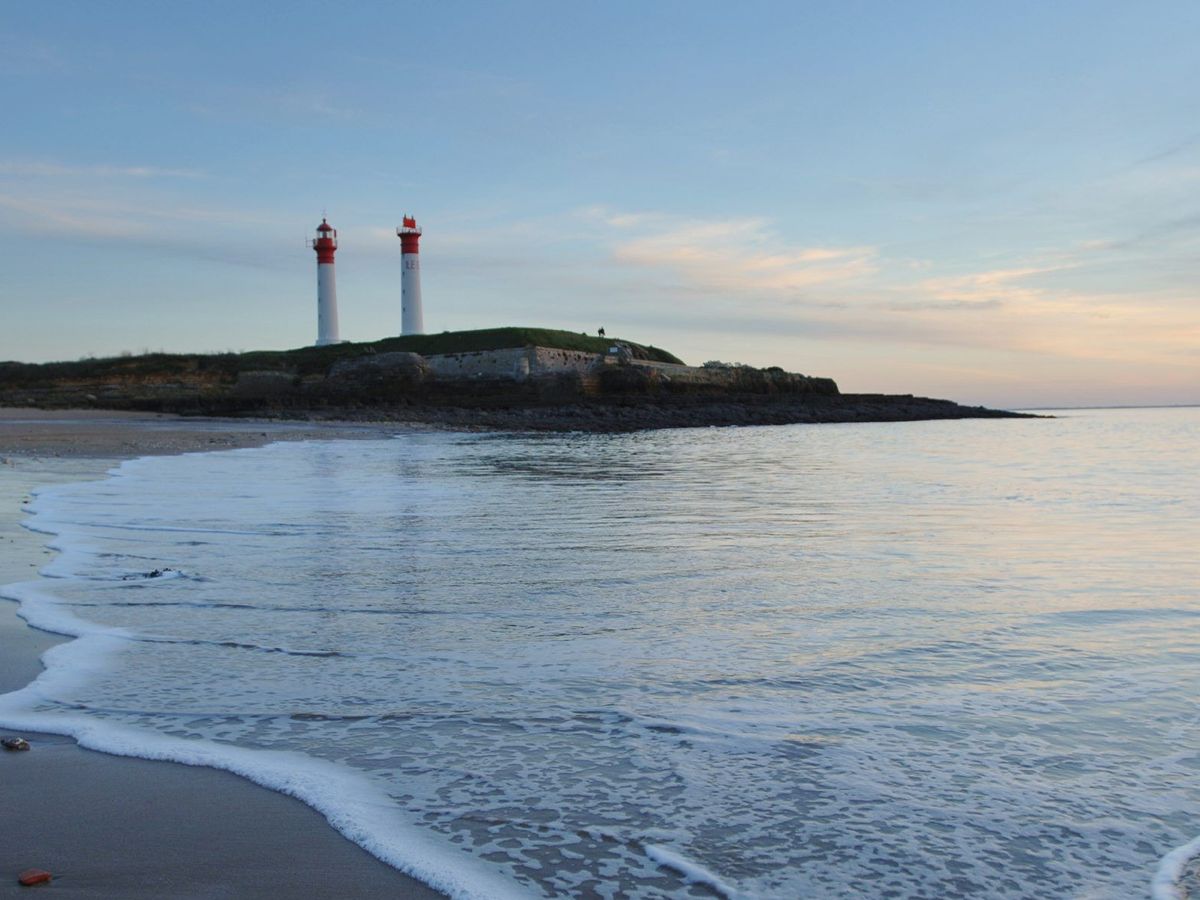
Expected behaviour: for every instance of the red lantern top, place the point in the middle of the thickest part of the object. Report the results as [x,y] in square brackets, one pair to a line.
[325,243]
[409,234]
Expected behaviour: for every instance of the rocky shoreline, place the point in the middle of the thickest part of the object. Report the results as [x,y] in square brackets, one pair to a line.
[651,413]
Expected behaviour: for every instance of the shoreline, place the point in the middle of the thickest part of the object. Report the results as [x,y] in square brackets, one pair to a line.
[490,410]
[110,826]
[650,413]
[118,435]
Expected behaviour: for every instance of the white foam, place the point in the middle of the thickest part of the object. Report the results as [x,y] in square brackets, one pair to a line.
[350,803]
[43,611]
[692,872]
[1170,871]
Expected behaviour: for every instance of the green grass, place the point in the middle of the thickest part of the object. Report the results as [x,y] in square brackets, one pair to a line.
[503,338]
[309,360]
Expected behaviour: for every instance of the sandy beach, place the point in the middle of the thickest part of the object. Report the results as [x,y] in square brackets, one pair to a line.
[110,826]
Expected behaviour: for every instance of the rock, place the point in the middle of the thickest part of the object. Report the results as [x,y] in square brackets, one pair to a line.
[34,876]
[14,744]
[264,384]
[622,353]
[626,380]
[153,573]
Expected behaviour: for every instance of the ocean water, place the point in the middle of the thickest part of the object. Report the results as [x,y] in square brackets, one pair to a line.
[933,659]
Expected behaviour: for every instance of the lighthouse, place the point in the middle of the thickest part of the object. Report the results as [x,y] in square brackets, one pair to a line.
[411,319]
[325,243]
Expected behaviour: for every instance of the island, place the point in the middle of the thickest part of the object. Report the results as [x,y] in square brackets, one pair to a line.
[499,378]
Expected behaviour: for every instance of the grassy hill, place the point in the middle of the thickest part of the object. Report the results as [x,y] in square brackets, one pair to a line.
[306,360]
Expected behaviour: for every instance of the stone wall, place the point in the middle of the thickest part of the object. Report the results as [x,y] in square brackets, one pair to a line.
[517,364]
[593,370]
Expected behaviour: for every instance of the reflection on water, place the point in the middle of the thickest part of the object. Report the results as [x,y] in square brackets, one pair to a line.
[911,660]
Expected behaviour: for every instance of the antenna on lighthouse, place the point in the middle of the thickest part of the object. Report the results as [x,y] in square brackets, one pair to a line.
[325,243]
[412,320]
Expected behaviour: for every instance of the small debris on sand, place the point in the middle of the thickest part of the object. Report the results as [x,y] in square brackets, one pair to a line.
[34,876]
[154,573]
[14,744]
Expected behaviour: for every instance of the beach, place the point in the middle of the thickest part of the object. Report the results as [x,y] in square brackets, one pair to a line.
[109,826]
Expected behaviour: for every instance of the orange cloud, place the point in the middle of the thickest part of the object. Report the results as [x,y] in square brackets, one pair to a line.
[736,254]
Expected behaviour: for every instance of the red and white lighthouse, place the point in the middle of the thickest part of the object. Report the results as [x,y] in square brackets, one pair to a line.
[325,243]
[412,321]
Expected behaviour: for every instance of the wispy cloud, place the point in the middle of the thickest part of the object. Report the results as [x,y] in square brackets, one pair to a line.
[64,219]
[1050,304]
[97,214]
[742,254]
[24,53]
[95,199]
[47,169]
[292,103]
[990,288]
[146,217]
[1178,147]
[1157,235]
[306,103]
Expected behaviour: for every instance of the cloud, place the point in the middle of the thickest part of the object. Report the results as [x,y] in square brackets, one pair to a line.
[138,206]
[1037,310]
[26,54]
[990,288]
[308,104]
[294,103]
[90,201]
[82,214]
[46,169]
[729,254]
[1158,234]
[69,220]
[1174,149]
[947,305]
[1060,303]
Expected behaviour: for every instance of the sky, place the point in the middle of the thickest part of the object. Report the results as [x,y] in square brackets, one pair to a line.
[997,203]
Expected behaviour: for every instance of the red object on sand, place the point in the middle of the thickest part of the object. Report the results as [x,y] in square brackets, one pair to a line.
[34,876]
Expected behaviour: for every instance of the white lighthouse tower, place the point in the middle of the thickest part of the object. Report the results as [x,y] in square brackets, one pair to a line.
[411,319]
[325,243]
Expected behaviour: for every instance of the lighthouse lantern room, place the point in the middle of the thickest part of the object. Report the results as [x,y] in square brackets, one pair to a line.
[325,243]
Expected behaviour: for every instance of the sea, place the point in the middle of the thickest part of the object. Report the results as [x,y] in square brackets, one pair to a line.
[908,660]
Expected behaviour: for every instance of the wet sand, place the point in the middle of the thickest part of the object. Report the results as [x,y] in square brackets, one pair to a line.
[98,433]
[111,826]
